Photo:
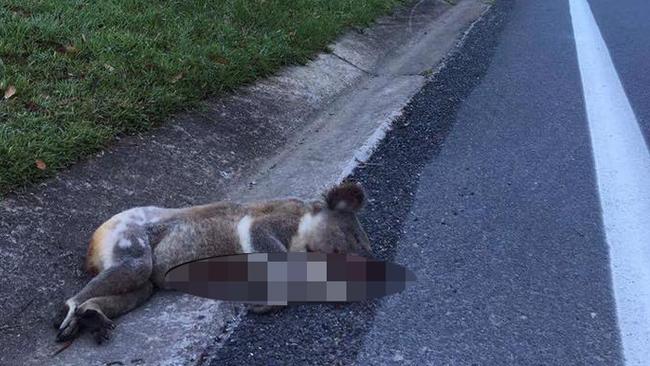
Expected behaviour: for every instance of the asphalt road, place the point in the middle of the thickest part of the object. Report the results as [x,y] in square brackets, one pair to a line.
[487,190]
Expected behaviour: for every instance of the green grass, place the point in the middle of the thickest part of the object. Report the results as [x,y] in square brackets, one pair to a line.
[86,71]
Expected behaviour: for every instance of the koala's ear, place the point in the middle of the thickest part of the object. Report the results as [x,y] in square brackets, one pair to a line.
[347,196]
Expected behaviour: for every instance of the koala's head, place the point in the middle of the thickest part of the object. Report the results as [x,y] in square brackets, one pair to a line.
[335,227]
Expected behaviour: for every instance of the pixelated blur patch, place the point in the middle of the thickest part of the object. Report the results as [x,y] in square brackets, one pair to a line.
[284,278]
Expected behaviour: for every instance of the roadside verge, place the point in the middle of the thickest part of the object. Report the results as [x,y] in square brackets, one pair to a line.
[292,134]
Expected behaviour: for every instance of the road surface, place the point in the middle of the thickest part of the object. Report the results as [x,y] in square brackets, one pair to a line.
[501,189]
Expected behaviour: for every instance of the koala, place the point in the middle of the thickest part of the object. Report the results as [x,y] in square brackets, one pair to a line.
[130,253]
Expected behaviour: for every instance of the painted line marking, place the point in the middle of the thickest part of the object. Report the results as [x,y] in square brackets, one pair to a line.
[622,164]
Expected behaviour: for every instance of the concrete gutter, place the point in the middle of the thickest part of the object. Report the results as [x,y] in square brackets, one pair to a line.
[289,135]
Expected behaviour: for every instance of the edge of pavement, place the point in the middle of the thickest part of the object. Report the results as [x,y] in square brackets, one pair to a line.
[292,134]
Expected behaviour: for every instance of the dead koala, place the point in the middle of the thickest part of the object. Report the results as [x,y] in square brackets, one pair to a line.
[130,253]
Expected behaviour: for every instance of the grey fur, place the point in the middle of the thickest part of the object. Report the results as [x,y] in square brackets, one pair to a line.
[145,243]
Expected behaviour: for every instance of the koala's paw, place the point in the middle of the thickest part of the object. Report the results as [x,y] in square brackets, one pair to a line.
[102,333]
[96,322]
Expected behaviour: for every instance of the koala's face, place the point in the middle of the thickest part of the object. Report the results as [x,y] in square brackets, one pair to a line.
[338,229]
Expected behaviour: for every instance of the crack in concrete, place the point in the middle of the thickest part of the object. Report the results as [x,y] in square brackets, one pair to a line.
[426,73]
[353,65]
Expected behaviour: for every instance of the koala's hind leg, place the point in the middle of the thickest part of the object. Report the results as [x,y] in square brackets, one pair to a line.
[125,276]
[95,314]
[119,279]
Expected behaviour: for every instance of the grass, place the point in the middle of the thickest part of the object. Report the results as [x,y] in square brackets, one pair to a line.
[86,71]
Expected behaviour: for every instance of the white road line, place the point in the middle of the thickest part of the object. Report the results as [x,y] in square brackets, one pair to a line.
[622,165]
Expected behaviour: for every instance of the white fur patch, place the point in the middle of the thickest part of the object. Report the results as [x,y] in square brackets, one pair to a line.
[308,223]
[244,233]
[124,243]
